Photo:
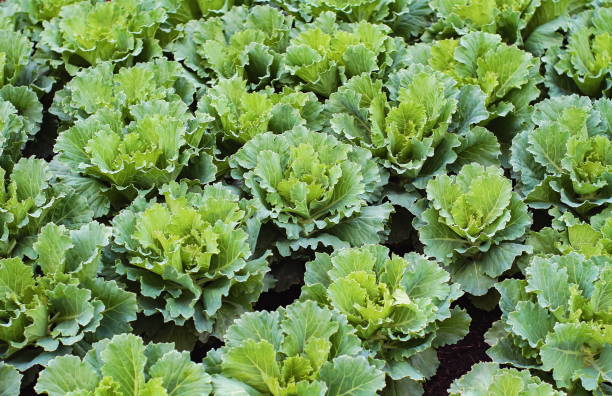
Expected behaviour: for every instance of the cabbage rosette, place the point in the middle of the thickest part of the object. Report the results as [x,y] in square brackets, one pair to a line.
[299,350]
[400,308]
[473,223]
[565,160]
[57,302]
[314,188]
[125,366]
[558,320]
[190,257]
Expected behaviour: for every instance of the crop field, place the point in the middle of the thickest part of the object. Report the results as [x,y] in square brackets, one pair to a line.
[306,197]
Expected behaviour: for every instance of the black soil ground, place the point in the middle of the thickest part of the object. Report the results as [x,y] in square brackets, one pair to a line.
[456,360]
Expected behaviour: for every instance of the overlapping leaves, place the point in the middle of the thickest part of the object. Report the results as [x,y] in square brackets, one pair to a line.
[411,131]
[400,307]
[49,305]
[473,223]
[533,24]
[569,234]
[100,87]
[247,42]
[299,350]
[190,256]
[566,160]
[506,75]
[110,157]
[20,118]
[488,379]
[559,320]
[82,36]
[583,64]
[314,188]
[325,53]
[18,65]
[125,366]
[28,201]
[239,115]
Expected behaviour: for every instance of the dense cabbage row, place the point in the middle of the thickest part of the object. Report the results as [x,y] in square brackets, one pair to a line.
[164,163]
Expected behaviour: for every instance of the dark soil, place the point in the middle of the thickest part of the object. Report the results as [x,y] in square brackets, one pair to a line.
[456,360]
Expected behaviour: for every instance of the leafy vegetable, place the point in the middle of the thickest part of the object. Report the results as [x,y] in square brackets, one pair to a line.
[533,24]
[28,201]
[558,320]
[174,170]
[473,223]
[569,234]
[400,307]
[99,87]
[125,366]
[218,7]
[507,76]
[583,64]
[566,160]
[190,256]
[110,159]
[20,118]
[46,315]
[247,42]
[506,18]
[82,36]
[411,131]
[355,11]
[407,18]
[44,10]
[325,54]
[313,188]
[301,350]
[239,115]
[18,66]
[487,379]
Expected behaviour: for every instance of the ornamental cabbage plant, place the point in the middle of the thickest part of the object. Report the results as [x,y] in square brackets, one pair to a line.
[247,42]
[239,115]
[350,11]
[582,65]
[125,366]
[210,8]
[29,200]
[532,24]
[411,131]
[506,18]
[400,307]
[100,87]
[299,350]
[314,189]
[558,320]
[57,302]
[111,157]
[566,159]
[488,379]
[20,118]
[407,18]
[325,54]
[190,257]
[506,75]
[473,223]
[44,10]
[82,36]
[18,65]
[569,234]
